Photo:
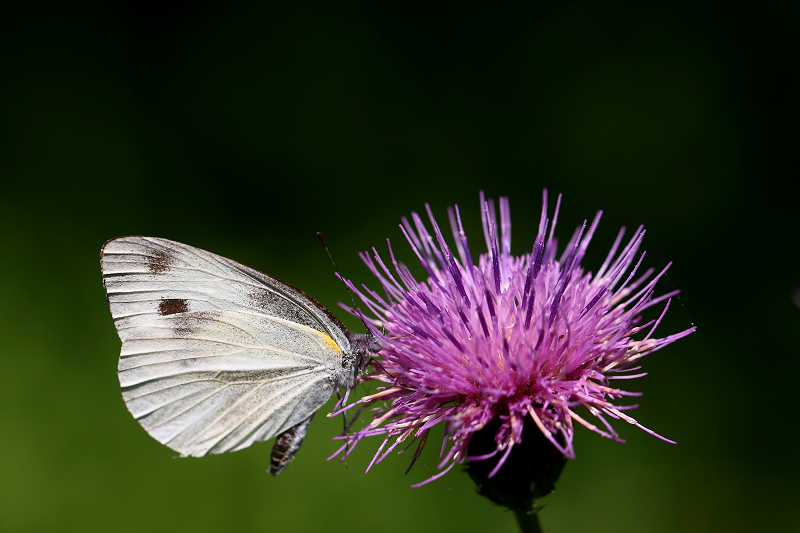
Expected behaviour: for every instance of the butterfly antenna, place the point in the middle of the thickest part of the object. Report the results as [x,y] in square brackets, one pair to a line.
[352,300]
[378,363]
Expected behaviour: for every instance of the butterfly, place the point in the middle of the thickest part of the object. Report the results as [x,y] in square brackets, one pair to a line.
[217,356]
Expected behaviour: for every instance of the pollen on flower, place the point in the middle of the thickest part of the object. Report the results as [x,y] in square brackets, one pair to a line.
[506,340]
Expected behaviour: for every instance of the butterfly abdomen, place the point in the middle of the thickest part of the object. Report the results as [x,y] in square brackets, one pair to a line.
[286,445]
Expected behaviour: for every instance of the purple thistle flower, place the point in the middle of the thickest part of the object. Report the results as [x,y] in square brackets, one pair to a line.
[511,339]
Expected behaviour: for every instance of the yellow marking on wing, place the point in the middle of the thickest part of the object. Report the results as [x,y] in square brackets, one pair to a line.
[329,341]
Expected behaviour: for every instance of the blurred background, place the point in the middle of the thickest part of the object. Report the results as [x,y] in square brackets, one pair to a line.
[244,129]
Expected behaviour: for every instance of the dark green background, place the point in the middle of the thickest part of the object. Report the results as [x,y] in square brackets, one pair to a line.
[244,130]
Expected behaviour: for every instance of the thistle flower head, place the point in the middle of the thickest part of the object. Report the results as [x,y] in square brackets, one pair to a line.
[507,339]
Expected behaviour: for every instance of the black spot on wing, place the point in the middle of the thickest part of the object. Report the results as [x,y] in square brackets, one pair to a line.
[160,261]
[172,306]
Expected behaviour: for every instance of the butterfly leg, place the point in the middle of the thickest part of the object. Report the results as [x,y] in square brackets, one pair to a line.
[346,429]
[344,404]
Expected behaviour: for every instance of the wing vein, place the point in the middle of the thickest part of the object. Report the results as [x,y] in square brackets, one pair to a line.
[176,400]
[298,396]
[139,396]
[207,397]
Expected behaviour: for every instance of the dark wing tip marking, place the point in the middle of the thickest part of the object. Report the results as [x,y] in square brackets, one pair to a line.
[172,306]
[159,262]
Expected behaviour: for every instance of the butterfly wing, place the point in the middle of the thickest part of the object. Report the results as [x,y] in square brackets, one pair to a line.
[147,277]
[215,356]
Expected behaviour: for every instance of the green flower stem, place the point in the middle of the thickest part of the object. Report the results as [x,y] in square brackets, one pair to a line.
[528,523]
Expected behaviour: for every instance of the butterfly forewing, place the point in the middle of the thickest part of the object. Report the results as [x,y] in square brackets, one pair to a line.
[215,356]
[147,276]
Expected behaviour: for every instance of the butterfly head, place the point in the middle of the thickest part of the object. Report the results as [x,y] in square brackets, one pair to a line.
[363,346]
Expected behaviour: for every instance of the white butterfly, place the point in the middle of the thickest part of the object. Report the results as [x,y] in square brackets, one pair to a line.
[217,356]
